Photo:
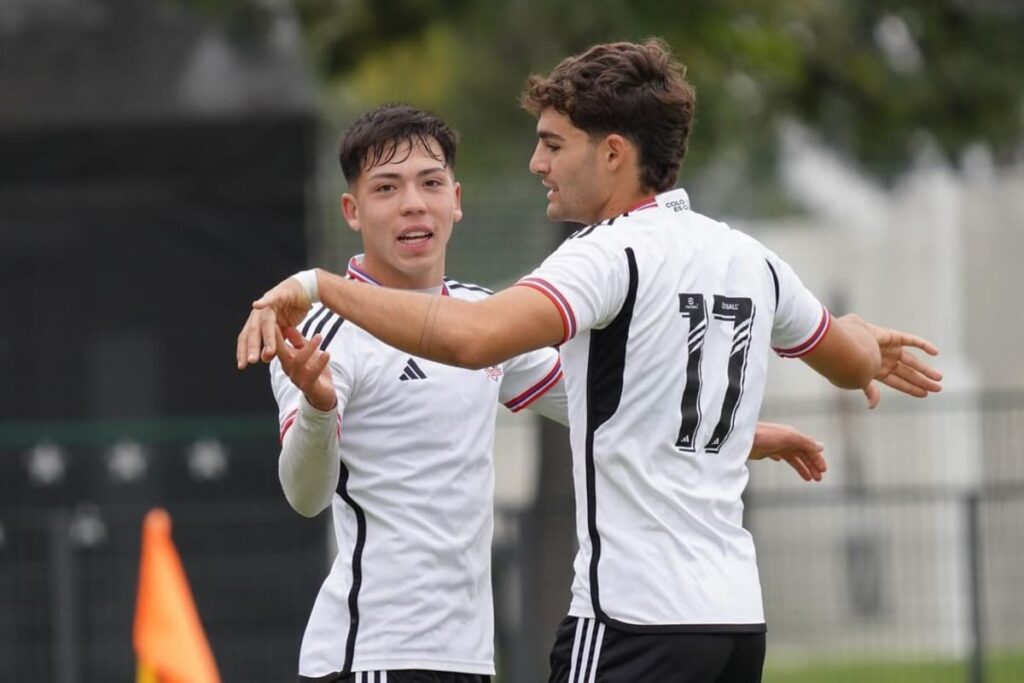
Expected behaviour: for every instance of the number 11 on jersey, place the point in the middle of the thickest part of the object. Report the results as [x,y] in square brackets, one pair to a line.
[740,312]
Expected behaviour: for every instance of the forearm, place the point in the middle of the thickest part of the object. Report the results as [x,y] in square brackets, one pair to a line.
[309,464]
[444,329]
[866,359]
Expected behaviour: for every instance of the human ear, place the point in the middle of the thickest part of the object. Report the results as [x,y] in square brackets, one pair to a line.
[350,210]
[615,150]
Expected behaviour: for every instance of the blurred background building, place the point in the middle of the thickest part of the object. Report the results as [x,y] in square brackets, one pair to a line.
[167,160]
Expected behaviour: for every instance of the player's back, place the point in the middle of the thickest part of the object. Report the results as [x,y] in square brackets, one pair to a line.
[665,377]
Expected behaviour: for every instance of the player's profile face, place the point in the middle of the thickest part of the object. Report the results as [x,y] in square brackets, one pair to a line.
[405,209]
[566,160]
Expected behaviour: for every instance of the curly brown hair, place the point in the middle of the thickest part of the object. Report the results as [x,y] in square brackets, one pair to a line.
[637,90]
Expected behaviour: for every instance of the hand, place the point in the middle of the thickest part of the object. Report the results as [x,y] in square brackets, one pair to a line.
[283,306]
[902,370]
[782,442]
[307,367]
[288,300]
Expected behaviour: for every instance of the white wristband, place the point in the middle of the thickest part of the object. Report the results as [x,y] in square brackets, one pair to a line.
[307,278]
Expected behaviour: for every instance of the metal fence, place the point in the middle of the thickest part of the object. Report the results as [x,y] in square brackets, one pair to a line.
[868,568]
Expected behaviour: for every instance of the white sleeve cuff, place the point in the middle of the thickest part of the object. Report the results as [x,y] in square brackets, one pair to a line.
[307,278]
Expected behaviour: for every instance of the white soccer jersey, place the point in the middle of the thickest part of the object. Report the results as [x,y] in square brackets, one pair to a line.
[669,317]
[410,587]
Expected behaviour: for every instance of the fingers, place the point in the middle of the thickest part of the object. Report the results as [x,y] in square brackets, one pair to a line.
[269,334]
[319,363]
[917,379]
[304,365]
[247,351]
[804,444]
[294,337]
[900,384]
[242,346]
[800,467]
[874,396]
[925,369]
[810,466]
[905,339]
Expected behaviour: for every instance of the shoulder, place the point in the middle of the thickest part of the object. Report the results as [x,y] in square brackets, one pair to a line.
[466,290]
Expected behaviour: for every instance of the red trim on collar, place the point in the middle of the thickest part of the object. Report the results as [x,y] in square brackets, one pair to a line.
[645,203]
[356,273]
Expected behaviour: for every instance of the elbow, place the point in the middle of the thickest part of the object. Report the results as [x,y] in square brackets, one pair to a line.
[304,506]
[473,357]
[474,348]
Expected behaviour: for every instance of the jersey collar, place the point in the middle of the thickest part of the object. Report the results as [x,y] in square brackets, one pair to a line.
[356,272]
[645,203]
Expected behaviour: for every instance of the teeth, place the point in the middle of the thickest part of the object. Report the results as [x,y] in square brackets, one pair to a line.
[414,235]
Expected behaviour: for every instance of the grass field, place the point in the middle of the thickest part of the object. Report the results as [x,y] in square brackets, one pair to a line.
[998,669]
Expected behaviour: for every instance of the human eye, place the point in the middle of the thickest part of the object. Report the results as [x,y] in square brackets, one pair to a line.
[384,188]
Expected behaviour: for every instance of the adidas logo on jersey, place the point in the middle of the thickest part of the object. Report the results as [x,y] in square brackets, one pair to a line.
[412,371]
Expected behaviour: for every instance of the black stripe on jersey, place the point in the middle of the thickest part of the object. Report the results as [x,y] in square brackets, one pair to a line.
[309,322]
[775,281]
[605,369]
[586,230]
[357,569]
[583,232]
[606,365]
[455,284]
[330,335]
[323,321]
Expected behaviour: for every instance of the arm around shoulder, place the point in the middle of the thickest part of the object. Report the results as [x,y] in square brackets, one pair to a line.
[487,332]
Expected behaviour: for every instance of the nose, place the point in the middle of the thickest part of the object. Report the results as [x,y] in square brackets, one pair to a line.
[539,161]
[412,201]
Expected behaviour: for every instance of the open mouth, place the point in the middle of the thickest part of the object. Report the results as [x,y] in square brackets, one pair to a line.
[415,236]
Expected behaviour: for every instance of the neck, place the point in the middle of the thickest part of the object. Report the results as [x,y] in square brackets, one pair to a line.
[622,202]
[425,277]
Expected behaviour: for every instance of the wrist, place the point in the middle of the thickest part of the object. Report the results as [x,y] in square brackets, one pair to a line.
[307,279]
[319,406]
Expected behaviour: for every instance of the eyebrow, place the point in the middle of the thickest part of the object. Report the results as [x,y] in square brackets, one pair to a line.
[547,135]
[391,175]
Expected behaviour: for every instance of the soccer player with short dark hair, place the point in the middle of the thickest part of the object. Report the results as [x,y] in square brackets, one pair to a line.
[398,446]
[665,319]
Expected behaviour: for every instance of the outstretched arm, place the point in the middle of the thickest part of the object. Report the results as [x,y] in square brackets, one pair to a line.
[468,334]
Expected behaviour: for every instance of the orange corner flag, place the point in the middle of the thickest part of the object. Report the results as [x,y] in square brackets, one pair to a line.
[169,639]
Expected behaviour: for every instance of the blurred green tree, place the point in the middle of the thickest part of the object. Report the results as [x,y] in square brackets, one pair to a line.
[875,79]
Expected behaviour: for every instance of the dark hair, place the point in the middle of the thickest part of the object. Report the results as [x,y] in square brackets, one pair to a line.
[377,136]
[636,90]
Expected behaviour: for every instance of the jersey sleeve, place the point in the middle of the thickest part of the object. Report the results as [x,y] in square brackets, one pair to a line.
[586,279]
[309,463]
[534,380]
[801,321]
